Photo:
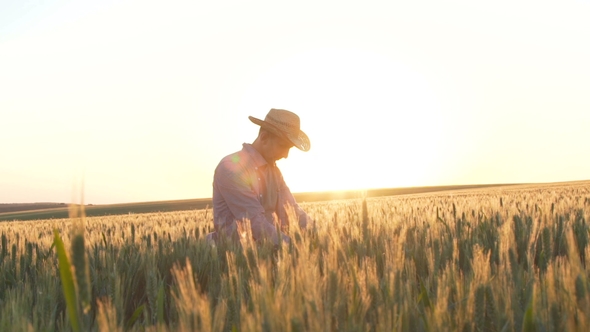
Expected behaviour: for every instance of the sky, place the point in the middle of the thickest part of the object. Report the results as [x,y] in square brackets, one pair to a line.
[132,101]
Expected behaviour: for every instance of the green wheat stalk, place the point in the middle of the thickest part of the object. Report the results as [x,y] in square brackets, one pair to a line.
[67,281]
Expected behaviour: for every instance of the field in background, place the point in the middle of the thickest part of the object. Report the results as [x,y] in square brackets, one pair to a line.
[38,211]
[493,259]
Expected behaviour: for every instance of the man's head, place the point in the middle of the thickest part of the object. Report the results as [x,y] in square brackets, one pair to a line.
[285,125]
[271,146]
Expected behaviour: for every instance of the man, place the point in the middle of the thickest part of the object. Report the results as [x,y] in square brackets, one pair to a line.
[248,184]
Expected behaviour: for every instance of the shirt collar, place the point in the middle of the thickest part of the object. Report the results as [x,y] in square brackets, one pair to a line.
[257,158]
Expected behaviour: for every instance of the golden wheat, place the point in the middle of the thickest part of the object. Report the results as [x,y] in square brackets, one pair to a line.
[499,259]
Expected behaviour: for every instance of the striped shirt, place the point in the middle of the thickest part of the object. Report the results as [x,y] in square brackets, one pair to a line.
[246,186]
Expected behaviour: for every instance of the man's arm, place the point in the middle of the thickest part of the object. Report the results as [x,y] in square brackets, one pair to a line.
[233,185]
[289,201]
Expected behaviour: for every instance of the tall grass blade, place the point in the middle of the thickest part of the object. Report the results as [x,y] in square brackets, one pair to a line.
[67,281]
[528,322]
[136,314]
[160,304]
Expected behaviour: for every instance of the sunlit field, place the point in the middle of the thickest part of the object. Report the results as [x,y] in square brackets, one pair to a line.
[496,259]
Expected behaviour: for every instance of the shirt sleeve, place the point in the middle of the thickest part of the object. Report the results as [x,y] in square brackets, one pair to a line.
[234,185]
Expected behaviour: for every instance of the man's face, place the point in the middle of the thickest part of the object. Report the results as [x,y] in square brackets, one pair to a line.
[276,148]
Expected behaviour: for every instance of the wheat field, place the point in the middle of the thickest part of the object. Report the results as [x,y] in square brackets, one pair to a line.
[496,259]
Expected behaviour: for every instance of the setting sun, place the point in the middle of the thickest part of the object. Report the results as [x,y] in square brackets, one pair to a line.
[372,122]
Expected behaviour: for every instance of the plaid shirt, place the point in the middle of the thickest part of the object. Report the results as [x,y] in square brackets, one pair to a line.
[246,186]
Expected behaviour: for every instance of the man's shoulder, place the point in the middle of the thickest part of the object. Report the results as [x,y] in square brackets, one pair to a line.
[234,161]
[238,157]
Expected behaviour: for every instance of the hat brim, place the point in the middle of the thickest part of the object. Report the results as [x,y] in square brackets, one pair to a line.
[299,140]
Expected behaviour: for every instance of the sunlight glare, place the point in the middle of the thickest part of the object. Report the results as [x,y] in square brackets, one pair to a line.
[373,122]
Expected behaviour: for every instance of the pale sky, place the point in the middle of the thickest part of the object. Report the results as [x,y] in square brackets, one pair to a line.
[139,100]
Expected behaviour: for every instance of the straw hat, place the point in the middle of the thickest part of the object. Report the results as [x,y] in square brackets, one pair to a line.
[284,124]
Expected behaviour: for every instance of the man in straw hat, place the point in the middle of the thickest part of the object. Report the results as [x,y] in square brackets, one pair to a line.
[248,184]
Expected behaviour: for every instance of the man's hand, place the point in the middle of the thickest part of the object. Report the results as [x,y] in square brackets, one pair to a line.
[286,238]
[305,221]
